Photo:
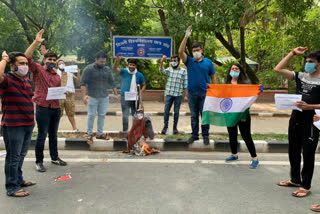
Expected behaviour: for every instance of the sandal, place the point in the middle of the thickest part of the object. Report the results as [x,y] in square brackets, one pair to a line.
[301,192]
[28,183]
[288,183]
[89,139]
[102,136]
[20,193]
[315,208]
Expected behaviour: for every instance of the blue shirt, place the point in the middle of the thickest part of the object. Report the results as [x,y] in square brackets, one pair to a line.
[126,80]
[199,74]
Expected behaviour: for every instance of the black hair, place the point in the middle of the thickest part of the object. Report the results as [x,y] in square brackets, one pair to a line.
[13,56]
[50,54]
[242,77]
[133,61]
[101,55]
[196,45]
[313,54]
[175,56]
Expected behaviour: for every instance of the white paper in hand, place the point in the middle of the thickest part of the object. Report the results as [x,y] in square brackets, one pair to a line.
[71,68]
[56,93]
[317,123]
[130,96]
[287,101]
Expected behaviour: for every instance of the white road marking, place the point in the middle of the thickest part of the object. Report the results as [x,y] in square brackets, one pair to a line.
[163,161]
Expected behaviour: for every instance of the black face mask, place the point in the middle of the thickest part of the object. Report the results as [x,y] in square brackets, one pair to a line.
[50,66]
[99,66]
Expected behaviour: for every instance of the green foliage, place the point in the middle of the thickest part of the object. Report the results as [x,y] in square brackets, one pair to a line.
[272,29]
[11,34]
[150,70]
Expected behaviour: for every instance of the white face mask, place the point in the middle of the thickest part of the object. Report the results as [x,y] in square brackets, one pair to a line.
[174,64]
[197,55]
[22,70]
[61,66]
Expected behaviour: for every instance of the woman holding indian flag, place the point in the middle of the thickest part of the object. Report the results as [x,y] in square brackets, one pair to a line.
[228,105]
[237,76]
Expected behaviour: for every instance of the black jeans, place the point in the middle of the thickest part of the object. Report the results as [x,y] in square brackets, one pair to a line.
[47,122]
[245,131]
[303,137]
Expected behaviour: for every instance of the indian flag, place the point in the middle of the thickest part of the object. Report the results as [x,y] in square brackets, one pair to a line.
[226,104]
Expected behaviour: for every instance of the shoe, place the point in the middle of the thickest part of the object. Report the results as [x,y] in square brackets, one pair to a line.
[232,158]
[164,130]
[59,162]
[254,164]
[206,141]
[175,131]
[191,140]
[40,167]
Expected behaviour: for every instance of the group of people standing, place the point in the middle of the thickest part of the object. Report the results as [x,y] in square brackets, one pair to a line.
[189,85]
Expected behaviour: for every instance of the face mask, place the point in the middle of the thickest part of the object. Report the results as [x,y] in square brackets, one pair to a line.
[310,67]
[50,66]
[61,66]
[197,55]
[234,74]
[99,66]
[174,64]
[22,70]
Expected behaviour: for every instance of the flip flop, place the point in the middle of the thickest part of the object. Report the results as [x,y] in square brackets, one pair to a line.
[28,183]
[102,136]
[288,183]
[315,208]
[20,193]
[303,191]
[89,139]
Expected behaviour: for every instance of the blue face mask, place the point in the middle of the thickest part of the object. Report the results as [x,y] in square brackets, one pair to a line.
[50,66]
[234,74]
[310,67]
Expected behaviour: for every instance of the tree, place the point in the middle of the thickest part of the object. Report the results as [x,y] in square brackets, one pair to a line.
[34,15]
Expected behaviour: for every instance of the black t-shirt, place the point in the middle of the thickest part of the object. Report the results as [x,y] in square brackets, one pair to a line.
[309,88]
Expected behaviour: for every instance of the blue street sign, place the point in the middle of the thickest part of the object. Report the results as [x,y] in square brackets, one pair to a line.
[142,47]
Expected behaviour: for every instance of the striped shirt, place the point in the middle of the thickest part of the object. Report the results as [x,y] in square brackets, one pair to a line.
[177,81]
[17,106]
[43,79]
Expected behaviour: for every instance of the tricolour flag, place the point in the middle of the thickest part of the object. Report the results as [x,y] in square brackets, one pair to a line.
[226,104]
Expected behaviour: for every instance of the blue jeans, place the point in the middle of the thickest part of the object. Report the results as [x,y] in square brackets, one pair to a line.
[168,103]
[125,107]
[96,105]
[16,140]
[48,123]
[196,101]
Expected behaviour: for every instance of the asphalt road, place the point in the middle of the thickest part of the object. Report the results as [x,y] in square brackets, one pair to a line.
[169,182]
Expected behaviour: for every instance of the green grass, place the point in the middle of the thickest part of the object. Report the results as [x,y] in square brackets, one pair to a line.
[266,137]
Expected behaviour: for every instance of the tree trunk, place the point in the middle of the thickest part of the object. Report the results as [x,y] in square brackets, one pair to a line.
[243,50]
[163,22]
[254,79]
[237,55]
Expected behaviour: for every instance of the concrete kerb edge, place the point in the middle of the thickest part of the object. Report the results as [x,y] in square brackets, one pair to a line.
[166,145]
[154,113]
